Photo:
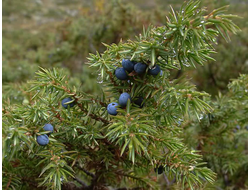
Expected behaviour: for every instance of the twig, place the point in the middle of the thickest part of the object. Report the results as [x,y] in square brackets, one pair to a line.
[8,184]
[85,171]
[93,116]
[113,81]
[166,179]
[58,116]
[81,182]
[88,173]
[100,102]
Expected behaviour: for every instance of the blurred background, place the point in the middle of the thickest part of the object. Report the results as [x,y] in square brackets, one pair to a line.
[61,33]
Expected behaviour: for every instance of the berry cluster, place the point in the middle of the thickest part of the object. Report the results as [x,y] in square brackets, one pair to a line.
[123,99]
[139,68]
[122,73]
[44,139]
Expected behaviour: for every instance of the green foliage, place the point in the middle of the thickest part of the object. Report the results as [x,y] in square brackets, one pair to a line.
[231,57]
[91,149]
[222,137]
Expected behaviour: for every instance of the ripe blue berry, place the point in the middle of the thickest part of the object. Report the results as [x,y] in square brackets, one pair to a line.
[128,65]
[121,74]
[123,99]
[155,70]
[138,101]
[140,68]
[48,127]
[65,101]
[112,108]
[159,170]
[42,139]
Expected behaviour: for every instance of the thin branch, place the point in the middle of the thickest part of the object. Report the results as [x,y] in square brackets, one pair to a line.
[8,184]
[113,81]
[58,116]
[93,116]
[88,173]
[169,183]
[166,179]
[84,185]
[103,104]
[85,171]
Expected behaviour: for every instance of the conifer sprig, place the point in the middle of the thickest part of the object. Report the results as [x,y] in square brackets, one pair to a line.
[106,149]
